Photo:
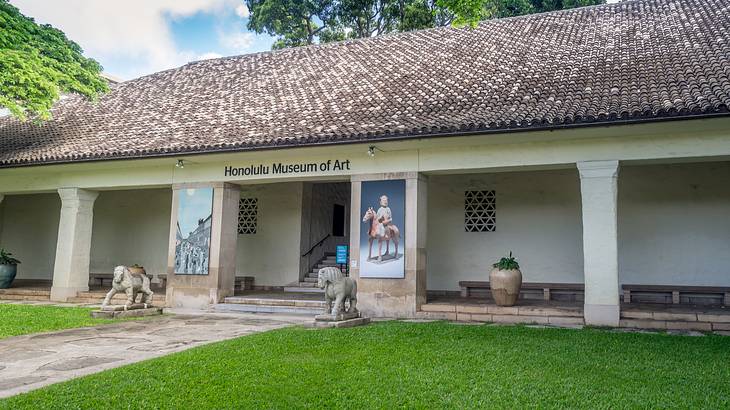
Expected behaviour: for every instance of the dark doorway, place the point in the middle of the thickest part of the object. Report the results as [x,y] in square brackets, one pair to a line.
[338,220]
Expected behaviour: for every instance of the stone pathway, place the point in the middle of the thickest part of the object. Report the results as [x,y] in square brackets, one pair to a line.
[32,361]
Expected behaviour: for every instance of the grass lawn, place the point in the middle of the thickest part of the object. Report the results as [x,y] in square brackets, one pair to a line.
[415,365]
[23,319]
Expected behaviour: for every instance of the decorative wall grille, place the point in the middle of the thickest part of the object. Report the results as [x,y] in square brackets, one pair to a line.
[480,211]
[248,212]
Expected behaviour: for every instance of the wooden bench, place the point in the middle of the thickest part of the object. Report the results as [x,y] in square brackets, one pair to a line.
[244,283]
[547,288]
[98,280]
[677,293]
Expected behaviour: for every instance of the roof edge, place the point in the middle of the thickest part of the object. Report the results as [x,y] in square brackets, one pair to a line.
[402,137]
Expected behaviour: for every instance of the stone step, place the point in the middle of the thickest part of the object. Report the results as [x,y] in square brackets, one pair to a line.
[253,300]
[310,279]
[301,289]
[236,307]
[29,298]
[25,292]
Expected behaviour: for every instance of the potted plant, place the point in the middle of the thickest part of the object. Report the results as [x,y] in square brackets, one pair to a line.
[505,281]
[8,268]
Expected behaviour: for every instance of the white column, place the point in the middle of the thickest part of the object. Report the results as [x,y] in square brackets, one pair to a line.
[73,248]
[599,193]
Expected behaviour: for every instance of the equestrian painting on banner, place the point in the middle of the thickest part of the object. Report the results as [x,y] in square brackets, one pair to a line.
[382,239]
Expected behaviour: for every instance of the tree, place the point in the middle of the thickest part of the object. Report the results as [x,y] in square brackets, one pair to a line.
[38,63]
[297,22]
[304,22]
[473,11]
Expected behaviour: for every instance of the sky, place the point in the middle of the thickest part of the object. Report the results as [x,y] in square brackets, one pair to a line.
[132,38]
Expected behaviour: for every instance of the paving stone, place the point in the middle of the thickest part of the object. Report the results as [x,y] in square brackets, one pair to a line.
[565,321]
[676,332]
[154,347]
[713,318]
[634,330]
[15,382]
[503,310]
[643,324]
[437,315]
[547,311]
[689,326]
[19,353]
[481,318]
[480,309]
[720,326]
[78,363]
[418,320]
[636,314]
[686,317]
[71,333]
[438,307]
[519,319]
[107,341]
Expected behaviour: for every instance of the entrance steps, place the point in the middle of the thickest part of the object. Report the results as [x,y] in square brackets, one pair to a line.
[305,304]
[26,294]
[309,282]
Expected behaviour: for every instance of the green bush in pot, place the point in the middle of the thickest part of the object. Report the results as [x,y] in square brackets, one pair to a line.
[8,268]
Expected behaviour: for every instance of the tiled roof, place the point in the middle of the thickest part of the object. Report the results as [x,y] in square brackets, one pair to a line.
[631,61]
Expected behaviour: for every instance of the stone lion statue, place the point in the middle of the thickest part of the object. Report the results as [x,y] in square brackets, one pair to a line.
[337,289]
[131,284]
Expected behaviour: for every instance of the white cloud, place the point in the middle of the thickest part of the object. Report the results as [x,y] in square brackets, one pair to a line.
[237,41]
[242,11]
[133,29]
[207,56]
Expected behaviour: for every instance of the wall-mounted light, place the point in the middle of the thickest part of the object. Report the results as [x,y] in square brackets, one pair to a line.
[372,149]
[180,164]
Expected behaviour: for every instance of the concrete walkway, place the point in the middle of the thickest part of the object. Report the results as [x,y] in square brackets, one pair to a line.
[32,361]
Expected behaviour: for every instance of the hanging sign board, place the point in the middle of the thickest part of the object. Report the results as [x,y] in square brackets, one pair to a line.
[341,254]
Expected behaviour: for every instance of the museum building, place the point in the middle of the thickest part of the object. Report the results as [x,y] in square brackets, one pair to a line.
[593,143]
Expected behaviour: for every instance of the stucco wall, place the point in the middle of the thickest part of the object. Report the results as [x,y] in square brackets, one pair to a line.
[271,255]
[674,224]
[538,218]
[29,231]
[131,227]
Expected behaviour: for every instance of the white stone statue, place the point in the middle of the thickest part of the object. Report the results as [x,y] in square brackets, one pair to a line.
[337,290]
[131,284]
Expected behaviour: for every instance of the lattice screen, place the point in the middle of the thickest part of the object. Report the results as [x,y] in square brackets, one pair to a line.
[248,212]
[480,211]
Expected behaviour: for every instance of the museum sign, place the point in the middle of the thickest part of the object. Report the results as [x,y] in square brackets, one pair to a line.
[279,168]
